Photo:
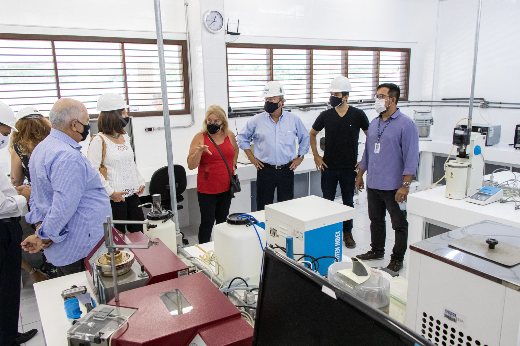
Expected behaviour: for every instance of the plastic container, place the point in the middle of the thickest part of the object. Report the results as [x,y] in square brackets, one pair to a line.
[398,293]
[338,279]
[238,249]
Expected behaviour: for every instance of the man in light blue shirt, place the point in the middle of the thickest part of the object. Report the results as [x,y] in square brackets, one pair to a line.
[68,202]
[274,133]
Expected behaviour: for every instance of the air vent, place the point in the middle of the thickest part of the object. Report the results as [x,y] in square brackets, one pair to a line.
[443,334]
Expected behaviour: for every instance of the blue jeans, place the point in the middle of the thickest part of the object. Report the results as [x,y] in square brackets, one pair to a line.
[347,180]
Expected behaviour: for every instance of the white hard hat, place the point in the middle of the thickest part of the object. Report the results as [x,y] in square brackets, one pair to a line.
[110,102]
[273,89]
[26,111]
[339,84]
[7,116]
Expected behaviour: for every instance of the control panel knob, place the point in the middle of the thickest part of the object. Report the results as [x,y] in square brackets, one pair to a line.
[492,243]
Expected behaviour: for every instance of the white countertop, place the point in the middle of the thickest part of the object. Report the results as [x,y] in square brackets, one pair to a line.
[50,304]
[432,204]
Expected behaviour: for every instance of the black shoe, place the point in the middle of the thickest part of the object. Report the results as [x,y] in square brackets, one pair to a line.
[370,256]
[349,240]
[24,337]
[395,265]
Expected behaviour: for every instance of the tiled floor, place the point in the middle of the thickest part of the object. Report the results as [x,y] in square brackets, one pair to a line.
[30,317]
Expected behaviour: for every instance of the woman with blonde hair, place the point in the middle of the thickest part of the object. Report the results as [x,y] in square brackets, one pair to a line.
[213,180]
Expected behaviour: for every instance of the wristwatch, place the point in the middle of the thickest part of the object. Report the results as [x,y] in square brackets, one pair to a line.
[407,185]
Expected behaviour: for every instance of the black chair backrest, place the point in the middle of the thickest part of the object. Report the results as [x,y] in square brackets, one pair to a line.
[160,184]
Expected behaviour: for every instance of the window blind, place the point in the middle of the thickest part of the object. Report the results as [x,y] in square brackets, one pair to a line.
[362,73]
[326,65]
[291,67]
[393,68]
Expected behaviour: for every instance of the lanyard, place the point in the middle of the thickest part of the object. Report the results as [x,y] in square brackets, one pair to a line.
[379,134]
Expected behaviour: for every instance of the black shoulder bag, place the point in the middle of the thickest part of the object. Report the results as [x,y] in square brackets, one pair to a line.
[235,183]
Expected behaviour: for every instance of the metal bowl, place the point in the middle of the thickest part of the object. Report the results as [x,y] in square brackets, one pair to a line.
[124,261]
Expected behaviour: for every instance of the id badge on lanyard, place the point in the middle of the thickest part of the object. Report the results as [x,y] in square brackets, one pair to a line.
[377,148]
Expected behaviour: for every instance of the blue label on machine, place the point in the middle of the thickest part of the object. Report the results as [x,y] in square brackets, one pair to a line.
[325,241]
[261,224]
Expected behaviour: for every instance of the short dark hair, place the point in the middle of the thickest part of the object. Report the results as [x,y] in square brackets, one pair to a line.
[393,90]
[108,123]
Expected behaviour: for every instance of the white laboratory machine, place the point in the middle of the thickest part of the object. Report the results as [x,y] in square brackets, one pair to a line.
[464,175]
[316,225]
[464,286]
[424,121]
[486,195]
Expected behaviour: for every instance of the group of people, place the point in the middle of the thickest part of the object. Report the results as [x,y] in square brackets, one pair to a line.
[390,158]
[68,195]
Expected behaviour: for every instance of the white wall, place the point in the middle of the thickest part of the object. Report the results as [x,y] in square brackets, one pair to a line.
[498,70]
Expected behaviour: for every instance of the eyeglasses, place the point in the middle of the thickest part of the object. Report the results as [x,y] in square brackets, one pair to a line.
[380,96]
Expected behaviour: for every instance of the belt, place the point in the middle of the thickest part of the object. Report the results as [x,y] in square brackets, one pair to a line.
[11,219]
[277,167]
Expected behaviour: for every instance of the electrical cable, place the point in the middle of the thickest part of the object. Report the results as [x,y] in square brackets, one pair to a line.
[118,329]
[238,277]
[318,258]
[247,216]
[307,262]
[244,306]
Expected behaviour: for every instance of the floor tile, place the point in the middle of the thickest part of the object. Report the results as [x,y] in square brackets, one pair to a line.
[29,311]
[38,339]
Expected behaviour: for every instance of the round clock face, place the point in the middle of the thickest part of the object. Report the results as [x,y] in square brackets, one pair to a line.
[213,21]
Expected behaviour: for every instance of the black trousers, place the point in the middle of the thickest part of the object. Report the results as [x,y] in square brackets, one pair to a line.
[267,180]
[72,268]
[213,207]
[10,273]
[379,201]
[128,210]
[347,183]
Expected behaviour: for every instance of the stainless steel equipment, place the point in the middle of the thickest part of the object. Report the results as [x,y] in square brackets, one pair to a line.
[464,286]
[98,326]
[423,120]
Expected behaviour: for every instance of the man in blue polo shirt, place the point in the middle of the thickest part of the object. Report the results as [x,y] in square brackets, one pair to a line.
[274,133]
[390,159]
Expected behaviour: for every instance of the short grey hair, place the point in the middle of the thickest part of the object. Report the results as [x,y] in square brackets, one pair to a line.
[62,117]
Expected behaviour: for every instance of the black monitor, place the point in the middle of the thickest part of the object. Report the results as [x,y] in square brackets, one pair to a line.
[297,307]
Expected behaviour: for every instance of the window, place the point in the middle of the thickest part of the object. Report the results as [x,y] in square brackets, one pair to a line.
[36,70]
[306,71]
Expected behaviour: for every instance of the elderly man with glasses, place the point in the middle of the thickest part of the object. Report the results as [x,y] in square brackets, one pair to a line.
[390,159]
[68,202]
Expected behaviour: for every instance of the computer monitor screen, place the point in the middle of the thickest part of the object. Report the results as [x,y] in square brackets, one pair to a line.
[298,307]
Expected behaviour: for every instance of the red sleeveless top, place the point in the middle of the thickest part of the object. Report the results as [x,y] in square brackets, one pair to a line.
[213,176]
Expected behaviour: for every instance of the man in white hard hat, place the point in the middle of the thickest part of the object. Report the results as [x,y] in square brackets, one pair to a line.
[274,133]
[68,202]
[342,124]
[13,205]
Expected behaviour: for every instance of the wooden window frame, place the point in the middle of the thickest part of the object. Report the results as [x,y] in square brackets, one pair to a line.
[311,48]
[122,41]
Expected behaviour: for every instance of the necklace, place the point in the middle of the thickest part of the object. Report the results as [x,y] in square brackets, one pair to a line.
[116,136]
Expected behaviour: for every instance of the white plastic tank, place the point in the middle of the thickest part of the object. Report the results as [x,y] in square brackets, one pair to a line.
[456,179]
[164,226]
[238,248]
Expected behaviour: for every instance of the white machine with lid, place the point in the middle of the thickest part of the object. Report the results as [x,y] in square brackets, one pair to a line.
[164,226]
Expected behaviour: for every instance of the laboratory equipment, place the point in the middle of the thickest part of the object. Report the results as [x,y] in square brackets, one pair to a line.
[461,291]
[486,195]
[98,326]
[238,247]
[365,283]
[188,310]
[316,224]
[423,120]
[464,175]
[516,144]
[135,267]
[398,293]
[164,226]
[298,307]
[492,132]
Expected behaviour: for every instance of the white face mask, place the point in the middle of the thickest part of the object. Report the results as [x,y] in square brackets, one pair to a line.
[4,141]
[380,105]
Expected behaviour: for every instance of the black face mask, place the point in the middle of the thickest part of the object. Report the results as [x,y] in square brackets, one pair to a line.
[213,128]
[335,101]
[270,107]
[84,134]
[124,121]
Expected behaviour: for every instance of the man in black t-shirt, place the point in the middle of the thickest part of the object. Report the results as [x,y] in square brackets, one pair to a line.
[342,124]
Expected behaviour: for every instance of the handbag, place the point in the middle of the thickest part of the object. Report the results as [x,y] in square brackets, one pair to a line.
[235,183]
[102,167]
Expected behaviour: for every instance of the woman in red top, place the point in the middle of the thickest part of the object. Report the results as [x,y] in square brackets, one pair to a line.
[213,179]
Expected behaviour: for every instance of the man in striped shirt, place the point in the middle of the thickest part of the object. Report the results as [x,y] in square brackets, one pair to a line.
[68,202]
